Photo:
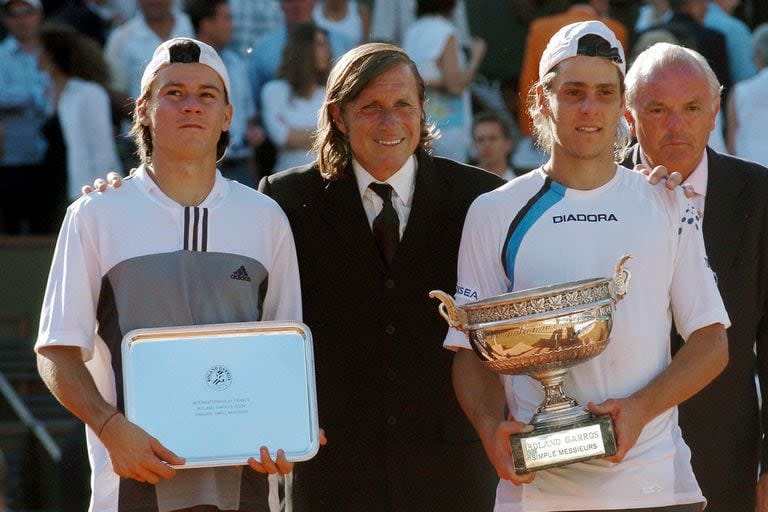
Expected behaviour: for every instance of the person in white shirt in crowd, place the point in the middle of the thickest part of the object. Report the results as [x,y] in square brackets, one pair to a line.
[433,43]
[513,241]
[212,21]
[747,107]
[81,106]
[251,20]
[129,47]
[23,110]
[493,144]
[738,37]
[291,103]
[267,53]
[349,17]
[391,18]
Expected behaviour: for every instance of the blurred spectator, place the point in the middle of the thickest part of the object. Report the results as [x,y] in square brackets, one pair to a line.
[542,29]
[493,142]
[81,140]
[686,24]
[130,46]
[651,13]
[251,20]
[738,38]
[747,107]
[80,15]
[268,51]
[292,102]
[23,109]
[432,42]
[114,12]
[391,19]
[505,37]
[212,21]
[349,17]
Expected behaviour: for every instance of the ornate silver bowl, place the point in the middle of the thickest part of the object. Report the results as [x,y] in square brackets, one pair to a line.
[542,332]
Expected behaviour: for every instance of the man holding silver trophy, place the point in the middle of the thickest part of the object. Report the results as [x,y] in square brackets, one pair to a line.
[570,222]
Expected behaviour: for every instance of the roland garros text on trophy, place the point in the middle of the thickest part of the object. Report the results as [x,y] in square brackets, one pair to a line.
[542,332]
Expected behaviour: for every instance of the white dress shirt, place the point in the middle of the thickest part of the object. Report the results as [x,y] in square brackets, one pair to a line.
[402,183]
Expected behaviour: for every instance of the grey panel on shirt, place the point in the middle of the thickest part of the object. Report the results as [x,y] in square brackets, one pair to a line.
[173,289]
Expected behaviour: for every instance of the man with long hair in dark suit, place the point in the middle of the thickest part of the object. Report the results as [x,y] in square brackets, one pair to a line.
[398,440]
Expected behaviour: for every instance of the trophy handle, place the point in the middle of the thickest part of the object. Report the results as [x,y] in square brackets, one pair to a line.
[621,278]
[454,315]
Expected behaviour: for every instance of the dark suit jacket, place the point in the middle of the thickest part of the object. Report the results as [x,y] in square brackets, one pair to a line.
[720,423]
[397,439]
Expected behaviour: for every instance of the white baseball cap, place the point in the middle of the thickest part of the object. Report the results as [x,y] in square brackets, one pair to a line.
[591,38]
[186,51]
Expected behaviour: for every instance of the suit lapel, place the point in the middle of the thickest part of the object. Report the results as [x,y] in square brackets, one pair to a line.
[724,214]
[432,207]
[343,210]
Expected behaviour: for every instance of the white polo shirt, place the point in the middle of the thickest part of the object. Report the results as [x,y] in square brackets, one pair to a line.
[533,232]
[134,258]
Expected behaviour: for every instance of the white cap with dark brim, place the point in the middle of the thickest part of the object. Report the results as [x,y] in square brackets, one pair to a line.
[185,50]
[590,38]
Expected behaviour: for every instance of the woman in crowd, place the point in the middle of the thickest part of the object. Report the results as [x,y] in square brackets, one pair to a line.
[433,44]
[80,134]
[291,102]
[352,18]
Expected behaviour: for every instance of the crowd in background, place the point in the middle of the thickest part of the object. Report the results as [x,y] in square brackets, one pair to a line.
[71,70]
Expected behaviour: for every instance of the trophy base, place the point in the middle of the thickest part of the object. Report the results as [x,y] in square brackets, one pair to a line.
[558,445]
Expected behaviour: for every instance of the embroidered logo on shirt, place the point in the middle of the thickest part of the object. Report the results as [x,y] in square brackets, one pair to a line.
[240,274]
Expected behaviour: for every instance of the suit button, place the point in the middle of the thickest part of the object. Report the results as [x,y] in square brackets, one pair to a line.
[391,375]
[391,421]
[389,283]
[390,329]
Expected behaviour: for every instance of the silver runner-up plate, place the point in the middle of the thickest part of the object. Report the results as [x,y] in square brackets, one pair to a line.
[214,394]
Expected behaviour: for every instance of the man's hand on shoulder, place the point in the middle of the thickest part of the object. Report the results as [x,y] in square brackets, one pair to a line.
[671,180]
[114,180]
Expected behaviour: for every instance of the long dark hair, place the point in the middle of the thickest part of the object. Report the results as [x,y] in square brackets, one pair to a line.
[298,62]
[74,54]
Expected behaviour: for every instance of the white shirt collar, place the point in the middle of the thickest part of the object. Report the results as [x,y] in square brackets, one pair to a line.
[401,181]
[145,181]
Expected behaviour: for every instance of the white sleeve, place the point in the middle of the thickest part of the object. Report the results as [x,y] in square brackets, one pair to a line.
[68,316]
[283,298]
[696,301]
[480,273]
[93,152]
[274,101]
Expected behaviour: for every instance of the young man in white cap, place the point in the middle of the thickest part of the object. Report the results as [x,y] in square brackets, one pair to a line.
[581,204]
[177,247]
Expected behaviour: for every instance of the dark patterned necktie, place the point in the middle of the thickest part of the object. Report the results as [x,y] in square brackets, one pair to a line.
[386,225]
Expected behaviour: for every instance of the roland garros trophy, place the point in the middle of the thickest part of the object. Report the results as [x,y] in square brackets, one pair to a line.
[542,332]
